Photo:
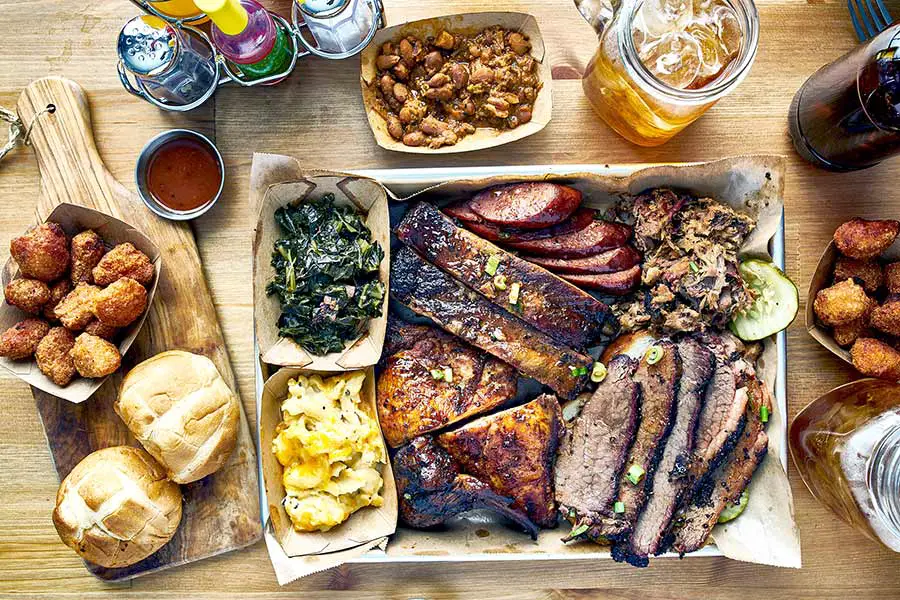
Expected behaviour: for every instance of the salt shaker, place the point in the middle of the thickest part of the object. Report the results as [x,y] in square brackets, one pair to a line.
[338,25]
[171,65]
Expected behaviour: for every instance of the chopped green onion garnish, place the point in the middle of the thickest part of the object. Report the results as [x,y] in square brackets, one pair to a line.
[764,413]
[448,374]
[654,355]
[578,530]
[598,373]
[493,262]
[577,371]
[500,282]
[635,474]
[619,507]
[514,293]
[694,267]
[437,374]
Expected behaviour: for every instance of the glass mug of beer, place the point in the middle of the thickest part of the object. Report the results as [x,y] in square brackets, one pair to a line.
[662,63]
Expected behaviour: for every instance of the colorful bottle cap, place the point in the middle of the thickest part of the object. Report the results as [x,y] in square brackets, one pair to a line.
[322,8]
[229,16]
[147,46]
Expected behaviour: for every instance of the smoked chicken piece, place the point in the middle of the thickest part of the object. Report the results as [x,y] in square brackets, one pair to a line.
[428,291]
[593,453]
[432,490]
[415,395]
[559,309]
[513,451]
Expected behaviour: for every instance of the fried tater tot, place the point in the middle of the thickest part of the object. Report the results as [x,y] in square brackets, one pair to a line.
[53,358]
[97,328]
[863,239]
[22,339]
[841,303]
[87,249]
[886,317]
[76,310]
[94,356]
[867,272]
[29,295]
[42,253]
[58,291]
[119,304]
[123,260]
[844,335]
[876,359]
[892,278]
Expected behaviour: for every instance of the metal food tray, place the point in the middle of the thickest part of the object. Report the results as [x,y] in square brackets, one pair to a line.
[408,182]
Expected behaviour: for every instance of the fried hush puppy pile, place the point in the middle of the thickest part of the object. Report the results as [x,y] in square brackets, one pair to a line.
[863,305]
[78,297]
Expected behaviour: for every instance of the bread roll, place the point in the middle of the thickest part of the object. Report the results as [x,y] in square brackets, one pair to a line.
[180,409]
[116,507]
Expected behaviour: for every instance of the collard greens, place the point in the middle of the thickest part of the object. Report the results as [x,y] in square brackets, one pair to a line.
[326,275]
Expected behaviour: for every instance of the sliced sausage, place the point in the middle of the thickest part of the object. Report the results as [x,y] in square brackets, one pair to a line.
[580,219]
[531,205]
[610,261]
[615,284]
[593,239]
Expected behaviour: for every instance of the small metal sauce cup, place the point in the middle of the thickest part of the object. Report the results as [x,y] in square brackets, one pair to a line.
[143,166]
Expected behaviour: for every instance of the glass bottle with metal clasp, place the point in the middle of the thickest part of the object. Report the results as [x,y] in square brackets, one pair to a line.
[338,26]
[172,67]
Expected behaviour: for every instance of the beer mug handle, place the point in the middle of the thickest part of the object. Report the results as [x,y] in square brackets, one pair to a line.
[599,13]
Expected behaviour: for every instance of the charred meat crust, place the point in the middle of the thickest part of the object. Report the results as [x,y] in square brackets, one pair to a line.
[670,479]
[513,451]
[431,489]
[428,291]
[593,453]
[553,306]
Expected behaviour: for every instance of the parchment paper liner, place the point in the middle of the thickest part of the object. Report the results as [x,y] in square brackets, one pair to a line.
[369,198]
[766,533]
[311,552]
[466,23]
[75,219]
[821,279]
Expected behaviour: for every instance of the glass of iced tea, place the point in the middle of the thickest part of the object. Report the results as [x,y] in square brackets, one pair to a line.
[662,63]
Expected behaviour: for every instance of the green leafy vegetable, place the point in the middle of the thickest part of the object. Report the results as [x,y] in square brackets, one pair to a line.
[326,275]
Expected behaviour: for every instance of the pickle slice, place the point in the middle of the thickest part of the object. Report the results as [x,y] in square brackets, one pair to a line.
[775,306]
[733,511]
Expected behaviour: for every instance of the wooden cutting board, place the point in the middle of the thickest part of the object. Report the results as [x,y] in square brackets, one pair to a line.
[221,512]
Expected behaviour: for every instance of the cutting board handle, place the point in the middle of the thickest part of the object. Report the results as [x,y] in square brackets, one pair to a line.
[71,168]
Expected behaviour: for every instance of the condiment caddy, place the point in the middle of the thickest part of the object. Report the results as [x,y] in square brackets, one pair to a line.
[168,61]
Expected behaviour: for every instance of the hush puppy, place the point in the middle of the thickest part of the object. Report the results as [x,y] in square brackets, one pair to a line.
[886,317]
[844,335]
[58,291]
[867,272]
[120,303]
[841,303]
[876,359]
[892,278]
[29,295]
[87,249]
[76,310]
[863,239]
[94,356]
[42,252]
[53,358]
[22,339]
[97,328]
[123,260]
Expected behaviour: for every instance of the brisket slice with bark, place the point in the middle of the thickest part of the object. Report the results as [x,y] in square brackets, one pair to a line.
[659,384]
[593,453]
[670,479]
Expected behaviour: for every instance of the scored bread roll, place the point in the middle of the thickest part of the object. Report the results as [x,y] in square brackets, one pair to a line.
[181,410]
[116,507]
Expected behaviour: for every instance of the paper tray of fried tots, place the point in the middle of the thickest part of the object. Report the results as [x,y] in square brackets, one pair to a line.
[77,290]
[853,306]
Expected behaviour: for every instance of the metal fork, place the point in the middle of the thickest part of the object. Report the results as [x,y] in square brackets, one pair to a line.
[870,17]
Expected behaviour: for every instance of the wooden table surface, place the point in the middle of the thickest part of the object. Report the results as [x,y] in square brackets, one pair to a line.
[317,116]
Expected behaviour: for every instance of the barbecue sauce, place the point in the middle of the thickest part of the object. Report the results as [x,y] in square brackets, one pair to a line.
[184,174]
